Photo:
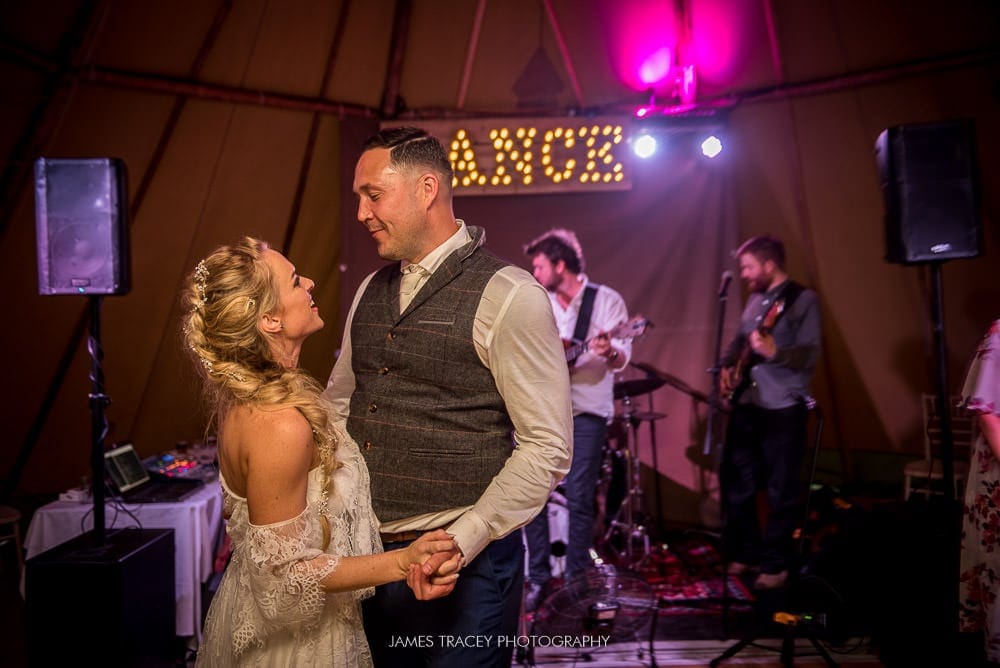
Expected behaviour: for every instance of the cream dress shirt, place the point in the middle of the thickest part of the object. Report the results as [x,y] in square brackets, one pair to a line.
[592,379]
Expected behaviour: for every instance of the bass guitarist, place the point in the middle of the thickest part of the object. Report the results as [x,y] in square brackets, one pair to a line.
[585,313]
[766,371]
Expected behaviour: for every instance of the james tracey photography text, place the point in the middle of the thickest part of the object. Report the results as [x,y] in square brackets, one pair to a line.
[426,641]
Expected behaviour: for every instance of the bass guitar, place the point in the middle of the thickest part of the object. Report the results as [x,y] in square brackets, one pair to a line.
[740,376]
[636,326]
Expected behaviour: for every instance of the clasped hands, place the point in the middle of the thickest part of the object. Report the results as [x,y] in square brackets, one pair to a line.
[432,565]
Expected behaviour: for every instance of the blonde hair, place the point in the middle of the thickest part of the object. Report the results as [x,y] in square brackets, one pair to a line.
[228,292]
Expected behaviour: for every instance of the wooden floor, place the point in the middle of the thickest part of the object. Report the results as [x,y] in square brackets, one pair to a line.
[900,592]
[698,653]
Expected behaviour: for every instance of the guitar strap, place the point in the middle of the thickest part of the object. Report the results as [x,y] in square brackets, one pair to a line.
[583,317]
[790,294]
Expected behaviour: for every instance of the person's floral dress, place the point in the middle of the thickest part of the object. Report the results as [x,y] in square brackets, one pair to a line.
[979,579]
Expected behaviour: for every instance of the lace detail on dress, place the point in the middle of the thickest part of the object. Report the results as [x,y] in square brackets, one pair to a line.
[282,567]
[270,602]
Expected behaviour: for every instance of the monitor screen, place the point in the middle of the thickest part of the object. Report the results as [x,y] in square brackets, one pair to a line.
[125,468]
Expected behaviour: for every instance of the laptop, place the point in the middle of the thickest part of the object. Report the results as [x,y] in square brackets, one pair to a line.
[132,483]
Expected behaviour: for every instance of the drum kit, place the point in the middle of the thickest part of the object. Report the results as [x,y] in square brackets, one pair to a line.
[627,533]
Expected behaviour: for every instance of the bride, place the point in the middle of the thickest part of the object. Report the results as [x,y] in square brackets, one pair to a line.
[305,541]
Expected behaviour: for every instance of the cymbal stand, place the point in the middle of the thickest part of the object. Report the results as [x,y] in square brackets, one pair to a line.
[625,520]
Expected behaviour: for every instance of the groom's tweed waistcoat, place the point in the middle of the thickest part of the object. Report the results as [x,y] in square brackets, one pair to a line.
[426,412]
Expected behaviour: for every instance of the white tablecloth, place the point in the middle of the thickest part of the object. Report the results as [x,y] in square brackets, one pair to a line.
[196,521]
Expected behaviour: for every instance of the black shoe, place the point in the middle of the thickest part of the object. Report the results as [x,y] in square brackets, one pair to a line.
[535,594]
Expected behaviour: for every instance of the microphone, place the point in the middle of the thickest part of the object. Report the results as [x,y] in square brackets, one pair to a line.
[727,277]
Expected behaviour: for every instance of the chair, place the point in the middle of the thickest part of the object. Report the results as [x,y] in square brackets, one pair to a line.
[929,470]
[10,530]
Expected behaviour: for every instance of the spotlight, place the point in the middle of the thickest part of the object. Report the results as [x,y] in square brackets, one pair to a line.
[711,147]
[644,146]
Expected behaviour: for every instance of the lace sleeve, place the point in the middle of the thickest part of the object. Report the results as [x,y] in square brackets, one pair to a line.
[282,567]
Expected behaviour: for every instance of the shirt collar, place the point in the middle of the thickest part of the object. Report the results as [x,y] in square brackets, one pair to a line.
[584,282]
[433,260]
[776,290]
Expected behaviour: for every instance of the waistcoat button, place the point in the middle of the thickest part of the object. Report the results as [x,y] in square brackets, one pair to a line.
[372,408]
[384,370]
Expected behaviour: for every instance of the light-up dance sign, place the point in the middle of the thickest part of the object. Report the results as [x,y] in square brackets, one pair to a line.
[520,156]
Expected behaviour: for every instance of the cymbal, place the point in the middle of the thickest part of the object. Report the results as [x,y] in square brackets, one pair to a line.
[633,388]
[672,381]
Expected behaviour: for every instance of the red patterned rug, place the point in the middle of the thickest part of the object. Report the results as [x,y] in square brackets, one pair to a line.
[687,579]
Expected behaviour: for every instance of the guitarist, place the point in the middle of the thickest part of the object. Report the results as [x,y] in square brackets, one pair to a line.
[766,371]
[584,312]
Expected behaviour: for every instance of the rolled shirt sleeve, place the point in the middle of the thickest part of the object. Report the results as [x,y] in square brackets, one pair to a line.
[515,336]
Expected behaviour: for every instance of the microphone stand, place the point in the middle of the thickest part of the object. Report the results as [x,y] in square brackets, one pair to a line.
[713,397]
[713,433]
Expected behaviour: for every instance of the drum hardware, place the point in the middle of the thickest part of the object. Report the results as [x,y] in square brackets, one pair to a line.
[655,378]
[625,522]
[651,415]
[633,388]
[666,379]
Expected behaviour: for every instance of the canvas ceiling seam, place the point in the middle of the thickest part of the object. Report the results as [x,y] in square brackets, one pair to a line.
[470,53]
[166,137]
[564,52]
[310,148]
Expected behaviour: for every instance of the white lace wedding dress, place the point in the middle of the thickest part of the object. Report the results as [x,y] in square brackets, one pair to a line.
[269,609]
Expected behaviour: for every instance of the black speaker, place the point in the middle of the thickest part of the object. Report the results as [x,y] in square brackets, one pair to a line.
[80,221]
[929,182]
[109,604]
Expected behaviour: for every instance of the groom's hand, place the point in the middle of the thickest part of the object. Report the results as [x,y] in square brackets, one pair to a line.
[426,587]
[442,564]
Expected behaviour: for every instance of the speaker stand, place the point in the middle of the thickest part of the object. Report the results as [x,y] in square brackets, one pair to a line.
[952,513]
[98,422]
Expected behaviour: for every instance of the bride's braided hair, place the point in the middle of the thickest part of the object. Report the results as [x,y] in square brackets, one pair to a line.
[228,292]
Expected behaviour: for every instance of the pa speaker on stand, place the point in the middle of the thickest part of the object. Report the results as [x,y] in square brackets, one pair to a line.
[929,181]
[927,173]
[82,243]
[82,236]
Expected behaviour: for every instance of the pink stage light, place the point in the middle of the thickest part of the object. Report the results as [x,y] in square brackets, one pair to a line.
[656,67]
[718,46]
[642,36]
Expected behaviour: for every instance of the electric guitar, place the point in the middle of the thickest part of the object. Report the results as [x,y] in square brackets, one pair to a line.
[626,330]
[740,377]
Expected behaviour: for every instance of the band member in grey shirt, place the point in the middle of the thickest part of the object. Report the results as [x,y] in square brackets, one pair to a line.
[766,371]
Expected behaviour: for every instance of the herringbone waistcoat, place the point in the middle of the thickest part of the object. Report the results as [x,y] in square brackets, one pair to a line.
[426,412]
